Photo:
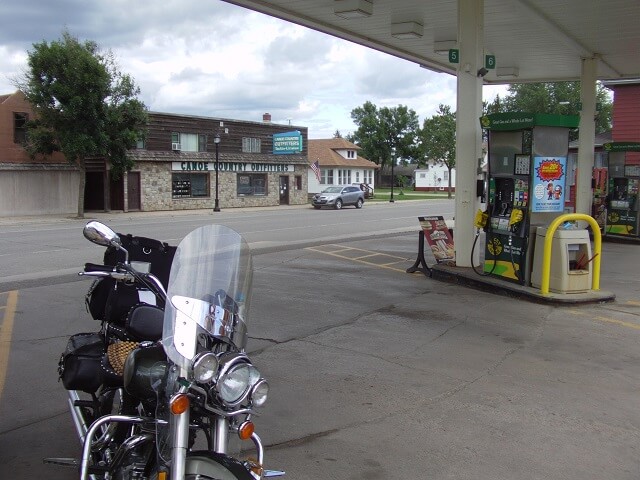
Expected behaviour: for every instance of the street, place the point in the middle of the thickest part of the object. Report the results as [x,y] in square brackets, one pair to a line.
[374,373]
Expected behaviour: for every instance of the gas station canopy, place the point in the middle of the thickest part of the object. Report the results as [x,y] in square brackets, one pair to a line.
[528,40]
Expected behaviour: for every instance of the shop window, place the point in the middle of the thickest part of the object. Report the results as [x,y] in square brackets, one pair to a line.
[189,142]
[250,184]
[189,185]
[298,182]
[20,120]
[250,145]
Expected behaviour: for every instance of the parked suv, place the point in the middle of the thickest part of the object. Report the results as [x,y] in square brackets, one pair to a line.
[337,197]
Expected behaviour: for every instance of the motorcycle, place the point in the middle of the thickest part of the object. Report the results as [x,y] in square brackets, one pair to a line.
[184,397]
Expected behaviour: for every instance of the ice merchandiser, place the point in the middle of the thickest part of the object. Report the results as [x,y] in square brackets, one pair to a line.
[527,171]
[622,189]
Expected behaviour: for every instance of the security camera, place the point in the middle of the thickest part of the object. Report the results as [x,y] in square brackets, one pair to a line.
[482,72]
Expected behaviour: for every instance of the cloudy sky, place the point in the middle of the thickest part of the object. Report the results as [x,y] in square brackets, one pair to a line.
[191,57]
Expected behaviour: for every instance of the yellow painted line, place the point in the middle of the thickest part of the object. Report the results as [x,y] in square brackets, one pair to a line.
[6,329]
[599,318]
[367,256]
[633,302]
[358,261]
[618,322]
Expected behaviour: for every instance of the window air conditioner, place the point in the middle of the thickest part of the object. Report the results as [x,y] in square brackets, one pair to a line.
[175,147]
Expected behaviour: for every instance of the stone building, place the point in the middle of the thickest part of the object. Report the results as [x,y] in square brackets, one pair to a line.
[260,164]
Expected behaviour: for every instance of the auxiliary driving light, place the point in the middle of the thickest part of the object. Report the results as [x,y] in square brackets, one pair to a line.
[205,367]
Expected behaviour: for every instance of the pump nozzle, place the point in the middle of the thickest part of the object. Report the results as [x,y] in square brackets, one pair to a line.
[516,216]
[481,219]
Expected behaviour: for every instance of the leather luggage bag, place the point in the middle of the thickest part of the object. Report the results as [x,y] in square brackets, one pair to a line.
[143,249]
[79,366]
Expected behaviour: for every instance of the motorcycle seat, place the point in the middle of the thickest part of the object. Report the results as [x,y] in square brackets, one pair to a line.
[144,322]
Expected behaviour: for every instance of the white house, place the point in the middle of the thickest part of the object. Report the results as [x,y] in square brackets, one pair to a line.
[434,178]
[337,162]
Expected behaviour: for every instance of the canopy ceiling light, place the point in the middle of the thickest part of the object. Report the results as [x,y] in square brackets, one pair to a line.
[406,30]
[507,72]
[443,47]
[352,8]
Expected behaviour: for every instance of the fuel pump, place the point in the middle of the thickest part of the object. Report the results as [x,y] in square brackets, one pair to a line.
[624,180]
[526,170]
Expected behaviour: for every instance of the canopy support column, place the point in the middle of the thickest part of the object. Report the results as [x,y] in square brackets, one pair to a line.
[587,134]
[468,131]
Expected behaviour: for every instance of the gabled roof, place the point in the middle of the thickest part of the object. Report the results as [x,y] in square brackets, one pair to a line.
[325,151]
[599,139]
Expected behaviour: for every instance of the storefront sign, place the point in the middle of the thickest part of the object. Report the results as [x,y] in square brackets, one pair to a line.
[287,143]
[231,167]
[549,175]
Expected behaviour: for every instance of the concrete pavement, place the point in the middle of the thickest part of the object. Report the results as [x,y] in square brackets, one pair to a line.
[377,373]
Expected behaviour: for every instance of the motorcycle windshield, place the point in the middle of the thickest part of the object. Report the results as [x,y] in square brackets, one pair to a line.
[208,295]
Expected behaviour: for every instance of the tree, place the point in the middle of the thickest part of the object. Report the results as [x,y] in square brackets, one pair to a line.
[385,133]
[560,98]
[84,106]
[438,139]
[337,134]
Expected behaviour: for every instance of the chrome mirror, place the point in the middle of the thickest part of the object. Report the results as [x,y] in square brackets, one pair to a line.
[99,233]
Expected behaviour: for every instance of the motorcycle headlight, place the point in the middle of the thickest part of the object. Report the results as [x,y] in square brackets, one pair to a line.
[236,383]
[205,367]
[259,393]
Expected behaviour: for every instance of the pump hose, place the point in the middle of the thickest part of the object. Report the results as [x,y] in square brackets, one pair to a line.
[495,262]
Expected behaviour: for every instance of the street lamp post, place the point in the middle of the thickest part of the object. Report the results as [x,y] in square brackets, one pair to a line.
[216,140]
[393,161]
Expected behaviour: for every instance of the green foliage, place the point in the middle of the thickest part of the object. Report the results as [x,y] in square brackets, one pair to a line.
[85,107]
[438,139]
[381,132]
[560,98]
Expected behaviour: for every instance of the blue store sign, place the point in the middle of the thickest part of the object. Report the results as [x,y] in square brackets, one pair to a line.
[287,143]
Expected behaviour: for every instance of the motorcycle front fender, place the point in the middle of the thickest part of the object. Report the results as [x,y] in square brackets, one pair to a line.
[215,466]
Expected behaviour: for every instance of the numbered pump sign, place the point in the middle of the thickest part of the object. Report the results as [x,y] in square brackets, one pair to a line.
[489,60]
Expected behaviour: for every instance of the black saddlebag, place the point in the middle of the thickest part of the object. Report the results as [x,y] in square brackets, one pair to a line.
[96,298]
[143,249]
[79,366]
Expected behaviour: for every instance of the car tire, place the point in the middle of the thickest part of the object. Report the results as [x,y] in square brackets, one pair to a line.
[338,204]
[359,203]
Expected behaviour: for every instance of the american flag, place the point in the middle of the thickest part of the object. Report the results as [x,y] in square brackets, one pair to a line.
[315,166]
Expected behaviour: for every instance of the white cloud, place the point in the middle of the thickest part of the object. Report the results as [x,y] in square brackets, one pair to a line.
[189,57]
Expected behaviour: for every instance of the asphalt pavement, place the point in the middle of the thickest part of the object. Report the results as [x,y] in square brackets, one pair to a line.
[377,373]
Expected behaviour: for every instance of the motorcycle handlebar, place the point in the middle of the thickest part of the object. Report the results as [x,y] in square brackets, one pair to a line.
[96,267]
